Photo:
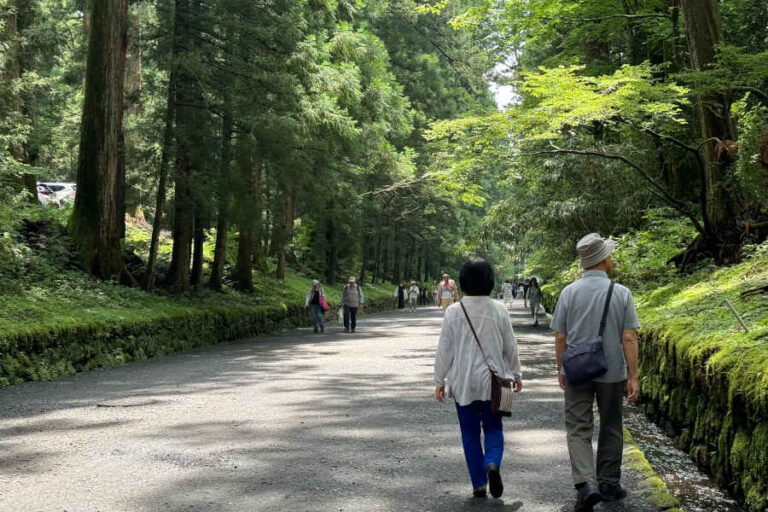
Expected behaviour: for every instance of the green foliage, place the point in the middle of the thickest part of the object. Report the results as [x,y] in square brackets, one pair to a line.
[750,169]
[564,98]
[642,256]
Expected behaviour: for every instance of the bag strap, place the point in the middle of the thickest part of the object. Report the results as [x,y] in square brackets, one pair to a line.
[472,328]
[605,310]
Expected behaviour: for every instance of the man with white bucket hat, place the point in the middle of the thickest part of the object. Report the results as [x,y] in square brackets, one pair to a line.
[580,309]
[351,300]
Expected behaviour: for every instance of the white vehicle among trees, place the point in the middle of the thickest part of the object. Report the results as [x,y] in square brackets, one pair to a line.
[55,193]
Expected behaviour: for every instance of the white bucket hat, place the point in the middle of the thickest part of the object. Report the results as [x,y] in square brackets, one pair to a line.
[593,249]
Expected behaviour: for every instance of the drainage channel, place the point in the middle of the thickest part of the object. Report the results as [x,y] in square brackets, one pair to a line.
[696,491]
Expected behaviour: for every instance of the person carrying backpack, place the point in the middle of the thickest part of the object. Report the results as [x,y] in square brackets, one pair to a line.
[351,300]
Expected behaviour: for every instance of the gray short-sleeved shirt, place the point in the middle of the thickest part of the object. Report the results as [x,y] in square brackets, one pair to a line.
[578,313]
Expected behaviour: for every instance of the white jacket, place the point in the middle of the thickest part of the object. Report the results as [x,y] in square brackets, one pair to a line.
[459,364]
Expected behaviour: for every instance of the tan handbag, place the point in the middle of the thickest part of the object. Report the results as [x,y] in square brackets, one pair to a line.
[501,388]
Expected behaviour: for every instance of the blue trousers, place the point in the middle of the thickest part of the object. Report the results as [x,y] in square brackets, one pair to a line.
[471,418]
[318,316]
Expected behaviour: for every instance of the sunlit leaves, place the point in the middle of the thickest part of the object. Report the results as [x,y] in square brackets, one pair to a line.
[564,98]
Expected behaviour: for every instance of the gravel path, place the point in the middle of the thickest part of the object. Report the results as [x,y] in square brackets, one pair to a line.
[299,422]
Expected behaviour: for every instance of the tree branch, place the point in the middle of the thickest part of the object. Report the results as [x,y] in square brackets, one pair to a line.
[619,16]
[655,188]
[754,90]
[696,151]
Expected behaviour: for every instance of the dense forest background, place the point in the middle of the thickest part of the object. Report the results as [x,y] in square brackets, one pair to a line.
[239,136]
[347,137]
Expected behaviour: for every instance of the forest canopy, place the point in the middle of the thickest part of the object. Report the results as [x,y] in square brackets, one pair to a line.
[348,137]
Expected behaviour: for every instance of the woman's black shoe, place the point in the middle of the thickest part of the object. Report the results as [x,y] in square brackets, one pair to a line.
[494,481]
[479,492]
[612,492]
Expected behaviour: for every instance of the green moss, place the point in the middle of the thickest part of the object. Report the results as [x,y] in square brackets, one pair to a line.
[651,488]
[100,325]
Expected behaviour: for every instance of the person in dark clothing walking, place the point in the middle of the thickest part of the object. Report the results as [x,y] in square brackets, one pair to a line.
[422,294]
[400,296]
[315,300]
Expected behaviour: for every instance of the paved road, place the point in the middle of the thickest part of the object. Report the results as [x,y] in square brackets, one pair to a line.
[297,422]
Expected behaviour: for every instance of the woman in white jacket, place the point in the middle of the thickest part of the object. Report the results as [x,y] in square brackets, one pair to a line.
[461,371]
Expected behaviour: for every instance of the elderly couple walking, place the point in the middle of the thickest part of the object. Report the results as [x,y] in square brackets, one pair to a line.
[462,373]
[351,301]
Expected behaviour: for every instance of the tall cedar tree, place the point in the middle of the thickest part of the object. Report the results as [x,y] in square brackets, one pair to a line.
[97,224]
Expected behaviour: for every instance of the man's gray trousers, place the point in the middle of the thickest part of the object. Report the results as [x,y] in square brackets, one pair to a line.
[579,421]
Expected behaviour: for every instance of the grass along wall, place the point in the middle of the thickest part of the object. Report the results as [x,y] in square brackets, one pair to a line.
[706,380]
[47,333]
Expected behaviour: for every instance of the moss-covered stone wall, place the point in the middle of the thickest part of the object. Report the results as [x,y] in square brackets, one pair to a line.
[50,354]
[708,414]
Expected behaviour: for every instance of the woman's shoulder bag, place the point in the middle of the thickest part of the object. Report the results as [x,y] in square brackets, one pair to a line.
[501,388]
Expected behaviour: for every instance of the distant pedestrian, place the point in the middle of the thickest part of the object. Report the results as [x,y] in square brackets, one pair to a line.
[413,295]
[462,373]
[446,291]
[526,288]
[400,294]
[507,291]
[317,305]
[351,300]
[422,294]
[577,323]
[534,299]
[436,294]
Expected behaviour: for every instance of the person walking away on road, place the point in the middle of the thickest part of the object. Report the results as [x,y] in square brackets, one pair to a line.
[436,294]
[534,299]
[314,301]
[576,322]
[507,290]
[447,291]
[456,292]
[422,294]
[461,372]
[400,294]
[514,290]
[351,300]
[526,288]
[413,296]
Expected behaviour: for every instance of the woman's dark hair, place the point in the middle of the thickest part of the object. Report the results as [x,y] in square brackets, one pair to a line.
[476,277]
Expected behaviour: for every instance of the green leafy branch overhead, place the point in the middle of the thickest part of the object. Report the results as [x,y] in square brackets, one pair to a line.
[562,99]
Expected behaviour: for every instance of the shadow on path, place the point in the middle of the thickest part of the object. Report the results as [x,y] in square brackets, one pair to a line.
[296,421]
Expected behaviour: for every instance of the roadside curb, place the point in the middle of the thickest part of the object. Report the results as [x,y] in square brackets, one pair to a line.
[650,487]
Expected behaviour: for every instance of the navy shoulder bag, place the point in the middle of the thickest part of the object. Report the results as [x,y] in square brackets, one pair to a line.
[586,362]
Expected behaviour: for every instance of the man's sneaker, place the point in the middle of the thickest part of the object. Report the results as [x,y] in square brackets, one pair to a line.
[612,492]
[479,492]
[494,480]
[346,329]
[353,330]
[588,497]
